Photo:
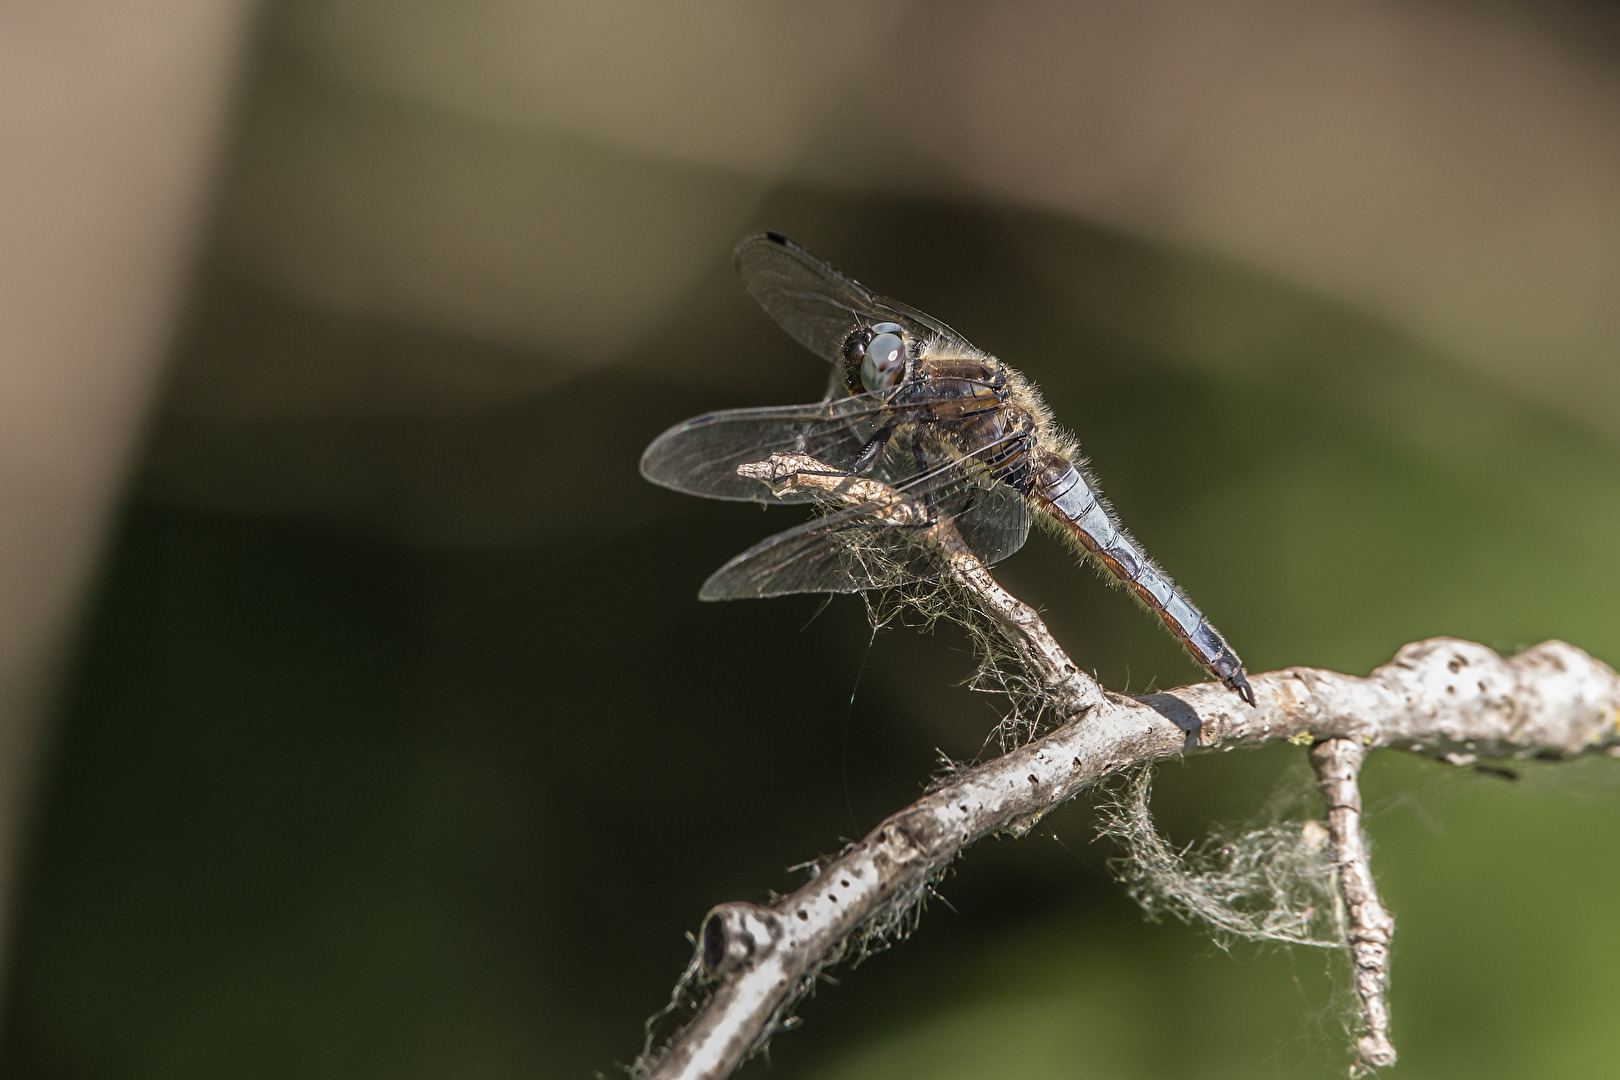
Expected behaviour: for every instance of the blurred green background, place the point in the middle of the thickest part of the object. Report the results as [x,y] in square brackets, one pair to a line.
[396,743]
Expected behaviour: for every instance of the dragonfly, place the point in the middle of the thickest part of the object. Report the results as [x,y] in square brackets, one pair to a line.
[920,429]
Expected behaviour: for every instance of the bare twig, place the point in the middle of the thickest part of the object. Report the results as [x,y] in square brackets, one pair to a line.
[1368,925]
[1448,699]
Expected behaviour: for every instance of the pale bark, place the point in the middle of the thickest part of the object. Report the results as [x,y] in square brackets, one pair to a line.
[1444,698]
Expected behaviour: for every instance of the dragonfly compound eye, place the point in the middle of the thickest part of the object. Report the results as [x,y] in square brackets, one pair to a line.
[855,347]
[884,363]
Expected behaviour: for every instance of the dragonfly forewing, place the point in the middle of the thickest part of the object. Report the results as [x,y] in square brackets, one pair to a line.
[819,307]
[703,455]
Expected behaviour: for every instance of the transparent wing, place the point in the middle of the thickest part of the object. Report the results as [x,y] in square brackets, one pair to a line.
[701,455]
[818,306]
[995,523]
[839,553]
[857,548]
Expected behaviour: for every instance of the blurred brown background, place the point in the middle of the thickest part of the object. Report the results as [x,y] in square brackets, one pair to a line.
[357,714]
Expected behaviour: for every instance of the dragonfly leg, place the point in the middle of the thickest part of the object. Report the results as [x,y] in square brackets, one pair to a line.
[921,459]
[874,446]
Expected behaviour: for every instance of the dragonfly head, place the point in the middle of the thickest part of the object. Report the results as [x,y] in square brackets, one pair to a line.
[876,356]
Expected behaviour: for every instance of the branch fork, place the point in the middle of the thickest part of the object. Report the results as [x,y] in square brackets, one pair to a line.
[1443,698]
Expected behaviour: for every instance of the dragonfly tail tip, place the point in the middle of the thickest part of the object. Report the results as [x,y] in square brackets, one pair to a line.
[1239,683]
